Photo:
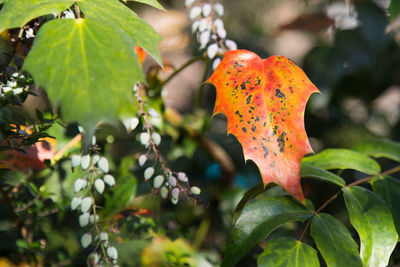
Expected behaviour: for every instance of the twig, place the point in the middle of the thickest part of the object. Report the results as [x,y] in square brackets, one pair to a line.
[70,144]
[177,71]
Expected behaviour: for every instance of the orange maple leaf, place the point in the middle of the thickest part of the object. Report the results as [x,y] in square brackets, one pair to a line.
[264,102]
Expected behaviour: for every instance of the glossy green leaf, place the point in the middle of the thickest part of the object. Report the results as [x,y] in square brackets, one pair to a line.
[372,219]
[286,251]
[343,159]
[394,9]
[16,13]
[115,12]
[257,220]
[84,69]
[308,170]
[153,3]
[388,188]
[380,148]
[334,241]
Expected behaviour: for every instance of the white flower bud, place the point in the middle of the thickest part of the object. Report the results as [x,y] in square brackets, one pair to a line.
[195,190]
[231,45]
[92,220]
[144,138]
[148,173]
[216,63]
[93,140]
[75,202]
[133,123]
[203,25]
[99,185]
[86,204]
[219,9]
[85,161]
[219,24]
[175,193]
[212,50]
[112,252]
[69,14]
[79,184]
[204,39]
[156,138]
[11,83]
[29,33]
[142,160]
[195,26]
[158,181]
[174,201]
[103,164]
[164,192]
[93,259]
[206,10]
[221,32]
[6,89]
[103,236]
[182,177]
[95,158]
[194,12]
[172,180]
[153,113]
[84,219]
[86,240]
[189,2]
[109,179]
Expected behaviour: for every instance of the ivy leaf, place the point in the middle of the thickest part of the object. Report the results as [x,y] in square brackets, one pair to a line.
[286,251]
[388,188]
[380,148]
[153,3]
[308,170]
[343,159]
[257,220]
[114,12]
[16,13]
[334,241]
[373,221]
[264,102]
[86,65]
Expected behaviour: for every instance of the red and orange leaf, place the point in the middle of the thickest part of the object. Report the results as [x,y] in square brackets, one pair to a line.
[141,54]
[264,102]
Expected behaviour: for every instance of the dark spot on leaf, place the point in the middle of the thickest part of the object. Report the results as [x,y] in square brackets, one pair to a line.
[265,150]
[248,99]
[253,128]
[244,129]
[279,94]
[281,142]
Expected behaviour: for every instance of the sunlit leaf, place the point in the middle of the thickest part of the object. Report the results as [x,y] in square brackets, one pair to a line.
[153,3]
[257,220]
[388,188]
[308,170]
[343,159]
[115,12]
[286,251]
[334,241]
[16,13]
[380,148]
[84,69]
[264,102]
[372,219]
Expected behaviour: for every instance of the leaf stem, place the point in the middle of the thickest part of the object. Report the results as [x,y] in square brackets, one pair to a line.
[177,71]
[199,95]
[332,198]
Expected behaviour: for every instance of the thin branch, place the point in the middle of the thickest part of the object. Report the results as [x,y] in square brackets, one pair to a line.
[177,71]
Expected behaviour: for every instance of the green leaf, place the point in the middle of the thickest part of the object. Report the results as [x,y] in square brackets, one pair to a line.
[373,221]
[388,188]
[257,220]
[113,11]
[124,191]
[86,65]
[286,251]
[307,170]
[380,148]
[16,13]
[343,159]
[153,3]
[334,241]
[394,9]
